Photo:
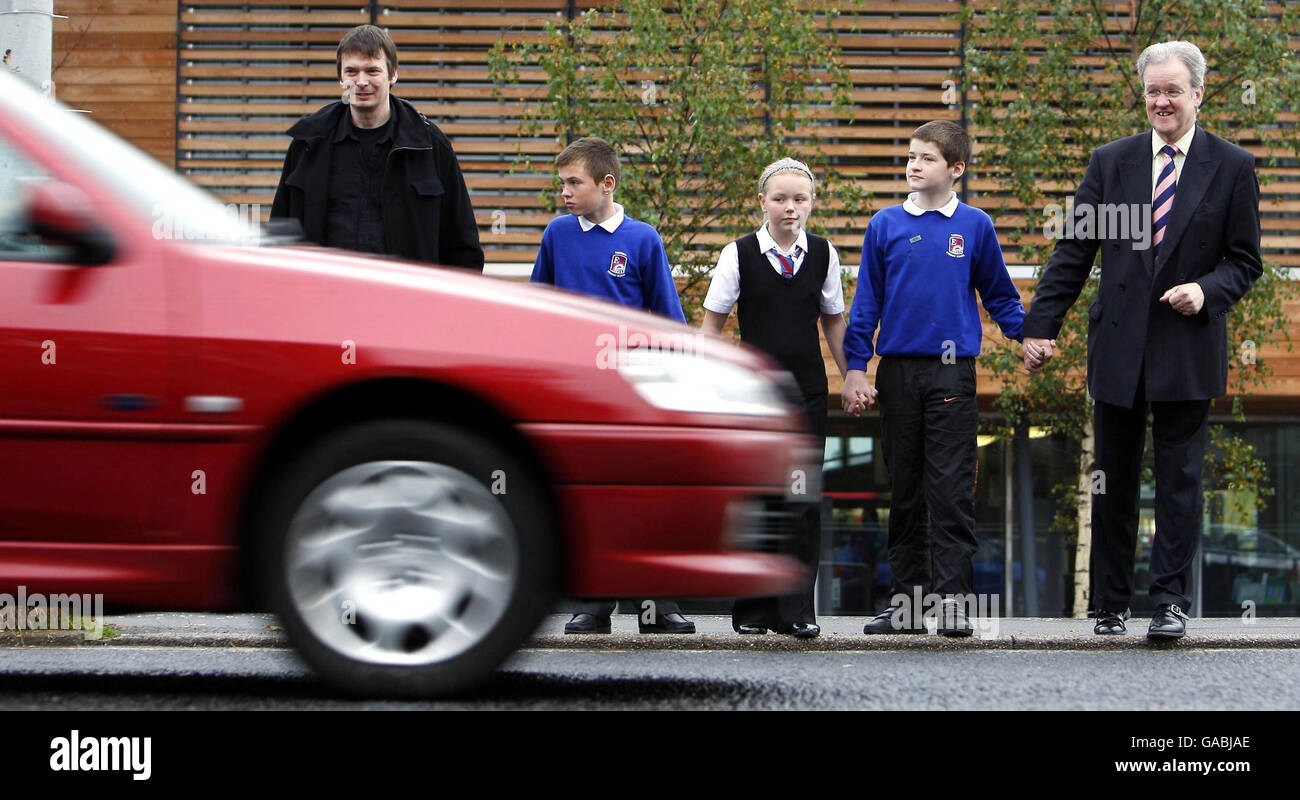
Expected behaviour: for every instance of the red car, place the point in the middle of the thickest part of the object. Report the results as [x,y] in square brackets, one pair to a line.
[407,464]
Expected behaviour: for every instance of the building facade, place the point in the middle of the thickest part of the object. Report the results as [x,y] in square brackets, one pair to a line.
[210,86]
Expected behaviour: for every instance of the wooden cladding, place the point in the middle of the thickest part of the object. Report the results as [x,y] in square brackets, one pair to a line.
[247,71]
[210,87]
[116,59]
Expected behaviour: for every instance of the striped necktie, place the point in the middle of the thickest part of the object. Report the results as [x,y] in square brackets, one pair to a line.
[1164,197]
[787,263]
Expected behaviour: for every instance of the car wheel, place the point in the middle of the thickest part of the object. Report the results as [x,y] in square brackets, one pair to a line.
[407,558]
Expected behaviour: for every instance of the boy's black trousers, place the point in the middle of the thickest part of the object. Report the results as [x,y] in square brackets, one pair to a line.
[930,420]
[779,613]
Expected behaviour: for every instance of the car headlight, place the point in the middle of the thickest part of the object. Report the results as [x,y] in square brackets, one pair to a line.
[690,382]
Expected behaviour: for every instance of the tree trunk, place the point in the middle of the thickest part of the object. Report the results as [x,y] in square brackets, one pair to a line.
[1083,548]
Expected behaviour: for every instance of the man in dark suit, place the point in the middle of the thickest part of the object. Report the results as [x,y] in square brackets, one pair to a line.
[1157,336]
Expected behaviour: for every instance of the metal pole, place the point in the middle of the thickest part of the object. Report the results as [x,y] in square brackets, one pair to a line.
[1008,532]
[965,122]
[1028,546]
[27,40]
[1198,565]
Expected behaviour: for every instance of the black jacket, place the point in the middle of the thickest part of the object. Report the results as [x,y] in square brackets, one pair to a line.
[1212,238]
[426,210]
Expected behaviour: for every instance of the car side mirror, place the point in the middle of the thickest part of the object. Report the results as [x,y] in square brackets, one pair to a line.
[61,215]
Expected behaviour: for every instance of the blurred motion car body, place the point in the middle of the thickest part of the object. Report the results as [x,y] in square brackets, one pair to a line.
[408,464]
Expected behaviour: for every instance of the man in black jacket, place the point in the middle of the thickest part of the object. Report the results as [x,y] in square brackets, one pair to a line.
[372,174]
[1157,337]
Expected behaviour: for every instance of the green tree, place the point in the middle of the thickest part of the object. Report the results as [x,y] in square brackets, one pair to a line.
[697,98]
[1052,80]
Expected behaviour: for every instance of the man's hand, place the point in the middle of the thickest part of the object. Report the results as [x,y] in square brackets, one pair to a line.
[858,393]
[1185,298]
[1037,352]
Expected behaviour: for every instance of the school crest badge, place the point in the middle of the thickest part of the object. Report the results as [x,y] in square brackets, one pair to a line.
[956,245]
[618,264]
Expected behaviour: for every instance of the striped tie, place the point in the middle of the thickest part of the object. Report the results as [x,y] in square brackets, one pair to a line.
[1164,197]
[787,263]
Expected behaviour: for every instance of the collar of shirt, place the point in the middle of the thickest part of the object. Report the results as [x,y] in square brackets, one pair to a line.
[610,224]
[947,209]
[766,242]
[1158,161]
[1184,142]
[346,129]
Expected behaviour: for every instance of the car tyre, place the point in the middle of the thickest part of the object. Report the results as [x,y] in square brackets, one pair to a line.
[407,558]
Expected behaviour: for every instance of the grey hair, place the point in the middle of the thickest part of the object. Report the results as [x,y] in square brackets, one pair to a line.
[1186,52]
[786,165]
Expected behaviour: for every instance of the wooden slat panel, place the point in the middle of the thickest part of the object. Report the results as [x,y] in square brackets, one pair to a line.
[359,16]
[276,3]
[117,60]
[280,56]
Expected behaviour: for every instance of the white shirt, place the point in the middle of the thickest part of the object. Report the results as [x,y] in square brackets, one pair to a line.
[1158,159]
[947,209]
[610,224]
[724,289]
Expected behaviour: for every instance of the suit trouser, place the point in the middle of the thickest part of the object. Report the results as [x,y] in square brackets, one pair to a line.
[1178,431]
[929,423]
[604,608]
[779,612]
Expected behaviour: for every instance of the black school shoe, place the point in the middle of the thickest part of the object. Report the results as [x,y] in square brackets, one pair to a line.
[953,621]
[1169,622]
[1110,623]
[587,623]
[802,630]
[669,623]
[884,623]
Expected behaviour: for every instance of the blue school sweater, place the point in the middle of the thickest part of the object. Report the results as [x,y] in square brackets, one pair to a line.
[628,266]
[918,279]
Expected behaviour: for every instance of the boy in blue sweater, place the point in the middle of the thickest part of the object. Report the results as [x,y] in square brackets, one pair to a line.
[600,251]
[597,249]
[922,263]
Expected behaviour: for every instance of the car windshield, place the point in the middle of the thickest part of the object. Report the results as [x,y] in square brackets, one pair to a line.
[154,192]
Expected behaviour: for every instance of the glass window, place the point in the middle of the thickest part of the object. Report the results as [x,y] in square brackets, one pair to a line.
[862,450]
[16,174]
[834,455]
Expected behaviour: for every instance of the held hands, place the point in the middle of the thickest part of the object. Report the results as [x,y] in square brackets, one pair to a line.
[858,393]
[1185,298]
[1037,352]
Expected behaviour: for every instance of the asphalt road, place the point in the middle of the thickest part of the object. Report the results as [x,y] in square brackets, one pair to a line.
[85,678]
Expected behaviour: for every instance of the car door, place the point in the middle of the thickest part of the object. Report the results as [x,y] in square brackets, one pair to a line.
[86,374]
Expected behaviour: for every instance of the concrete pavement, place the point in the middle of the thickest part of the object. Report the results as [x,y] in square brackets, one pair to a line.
[714,633]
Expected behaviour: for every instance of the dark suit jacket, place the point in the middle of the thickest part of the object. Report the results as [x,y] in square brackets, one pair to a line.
[1212,238]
